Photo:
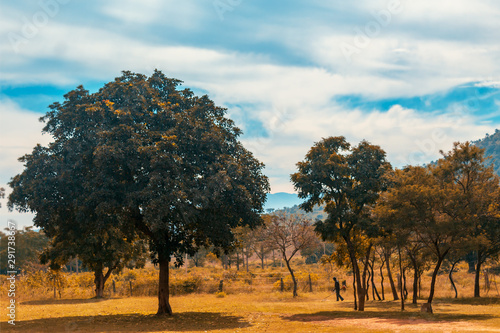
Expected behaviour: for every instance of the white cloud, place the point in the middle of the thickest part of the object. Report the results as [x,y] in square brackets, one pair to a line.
[20,131]
[247,61]
[407,136]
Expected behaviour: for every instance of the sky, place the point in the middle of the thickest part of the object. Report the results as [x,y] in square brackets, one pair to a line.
[410,76]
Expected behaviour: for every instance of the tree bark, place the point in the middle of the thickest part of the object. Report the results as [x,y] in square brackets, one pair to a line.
[415,278]
[450,275]
[477,290]
[360,288]
[389,274]
[415,285]
[293,278]
[360,280]
[354,290]
[237,260]
[404,284]
[401,276]
[246,254]
[382,281]
[163,286]
[100,281]
[368,287]
[262,258]
[374,288]
[434,276]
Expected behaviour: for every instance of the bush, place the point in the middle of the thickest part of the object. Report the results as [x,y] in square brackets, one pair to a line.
[186,285]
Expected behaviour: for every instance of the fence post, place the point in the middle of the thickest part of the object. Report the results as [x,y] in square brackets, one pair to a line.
[282,286]
[310,284]
[114,287]
[221,285]
[130,285]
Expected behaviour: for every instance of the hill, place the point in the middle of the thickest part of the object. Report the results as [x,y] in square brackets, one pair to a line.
[491,144]
[281,200]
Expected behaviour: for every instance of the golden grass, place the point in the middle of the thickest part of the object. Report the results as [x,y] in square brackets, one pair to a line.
[256,312]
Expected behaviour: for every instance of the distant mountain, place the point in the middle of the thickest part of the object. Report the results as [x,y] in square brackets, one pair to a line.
[281,200]
[491,144]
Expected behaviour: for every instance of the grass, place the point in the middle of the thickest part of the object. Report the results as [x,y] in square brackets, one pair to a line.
[256,312]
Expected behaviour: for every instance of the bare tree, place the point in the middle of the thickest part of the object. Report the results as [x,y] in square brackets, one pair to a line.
[290,234]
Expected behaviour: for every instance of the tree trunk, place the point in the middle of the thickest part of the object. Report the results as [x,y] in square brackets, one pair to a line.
[389,274]
[358,286]
[293,278]
[472,267]
[415,277]
[163,287]
[404,284]
[246,254]
[382,281]
[237,260]
[401,276]
[374,288]
[224,261]
[415,285]
[262,258]
[354,290]
[361,280]
[450,275]
[361,292]
[477,291]
[368,287]
[434,276]
[99,283]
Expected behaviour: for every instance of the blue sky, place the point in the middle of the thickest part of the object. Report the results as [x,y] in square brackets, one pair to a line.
[410,76]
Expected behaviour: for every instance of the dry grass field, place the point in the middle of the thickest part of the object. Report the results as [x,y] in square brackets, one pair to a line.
[276,312]
[251,303]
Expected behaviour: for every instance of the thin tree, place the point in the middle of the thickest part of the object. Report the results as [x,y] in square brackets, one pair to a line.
[413,207]
[290,234]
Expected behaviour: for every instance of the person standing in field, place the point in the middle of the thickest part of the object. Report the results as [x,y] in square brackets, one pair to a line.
[337,289]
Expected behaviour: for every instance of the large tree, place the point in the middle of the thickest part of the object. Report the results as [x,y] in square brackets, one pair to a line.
[413,212]
[348,180]
[474,196]
[161,163]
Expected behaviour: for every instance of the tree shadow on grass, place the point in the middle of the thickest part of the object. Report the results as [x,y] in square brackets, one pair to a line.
[393,316]
[65,301]
[185,321]
[473,300]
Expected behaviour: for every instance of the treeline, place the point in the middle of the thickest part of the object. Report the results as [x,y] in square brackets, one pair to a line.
[429,214]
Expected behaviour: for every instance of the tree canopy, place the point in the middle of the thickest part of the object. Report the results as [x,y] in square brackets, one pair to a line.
[149,159]
[347,180]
